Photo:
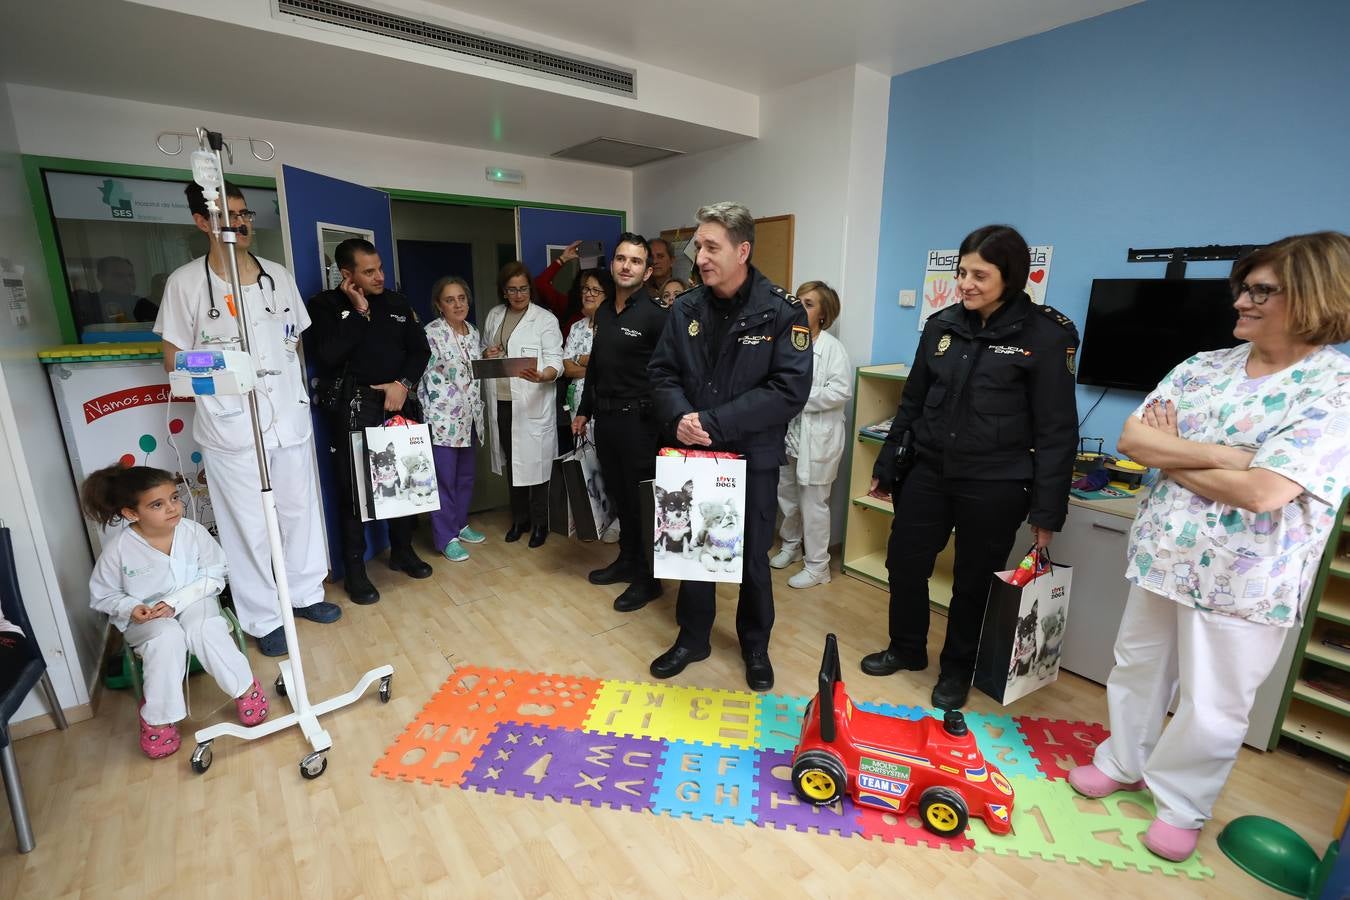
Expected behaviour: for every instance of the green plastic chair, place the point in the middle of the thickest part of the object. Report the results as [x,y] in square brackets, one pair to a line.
[131,663]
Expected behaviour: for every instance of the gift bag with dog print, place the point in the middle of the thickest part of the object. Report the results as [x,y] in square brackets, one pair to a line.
[400,476]
[699,516]
[1023,632]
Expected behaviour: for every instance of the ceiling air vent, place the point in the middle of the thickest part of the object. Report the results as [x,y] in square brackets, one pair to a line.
[611,152]
[475,45]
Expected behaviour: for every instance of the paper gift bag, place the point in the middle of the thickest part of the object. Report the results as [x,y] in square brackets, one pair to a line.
[698,521]
[400,474]
[560,519]
[591,509]
[1023,633]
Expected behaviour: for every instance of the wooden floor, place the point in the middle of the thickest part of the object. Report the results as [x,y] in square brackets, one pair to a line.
[111,823]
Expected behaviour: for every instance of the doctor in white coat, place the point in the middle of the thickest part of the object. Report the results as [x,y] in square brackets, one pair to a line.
[522,419]
[815,444]
[196,314]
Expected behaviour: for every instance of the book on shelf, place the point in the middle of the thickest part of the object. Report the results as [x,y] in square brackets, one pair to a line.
[878,430]
[1339,640]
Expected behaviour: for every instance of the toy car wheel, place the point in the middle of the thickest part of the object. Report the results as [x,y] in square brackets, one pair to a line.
[943,811]
[819,778]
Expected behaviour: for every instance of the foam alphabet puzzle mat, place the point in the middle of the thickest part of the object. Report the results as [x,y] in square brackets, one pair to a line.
[726,756]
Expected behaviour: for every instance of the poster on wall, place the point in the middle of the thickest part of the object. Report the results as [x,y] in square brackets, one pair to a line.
[121,412]
[102,198]
[939,279]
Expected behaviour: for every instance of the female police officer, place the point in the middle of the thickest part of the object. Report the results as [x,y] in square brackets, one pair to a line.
[989,407]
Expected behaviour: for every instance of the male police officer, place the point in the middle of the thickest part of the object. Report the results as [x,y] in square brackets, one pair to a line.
[371,339]
[619,394]
[731,370]
[197,312]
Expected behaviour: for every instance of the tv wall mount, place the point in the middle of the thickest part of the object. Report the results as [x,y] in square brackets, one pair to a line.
[1177,257]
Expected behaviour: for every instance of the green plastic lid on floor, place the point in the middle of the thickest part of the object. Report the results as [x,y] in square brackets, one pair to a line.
[1271,852]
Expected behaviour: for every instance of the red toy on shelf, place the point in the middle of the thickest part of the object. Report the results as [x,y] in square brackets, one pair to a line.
[894,764]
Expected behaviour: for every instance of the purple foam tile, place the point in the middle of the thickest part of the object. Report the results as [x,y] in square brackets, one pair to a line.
[568,766]
[777,804]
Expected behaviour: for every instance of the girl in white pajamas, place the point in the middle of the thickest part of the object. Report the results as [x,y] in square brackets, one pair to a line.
[158,580]
[815,444]
[1254,447]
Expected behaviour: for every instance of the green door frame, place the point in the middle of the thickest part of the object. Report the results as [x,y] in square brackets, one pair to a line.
[35,166]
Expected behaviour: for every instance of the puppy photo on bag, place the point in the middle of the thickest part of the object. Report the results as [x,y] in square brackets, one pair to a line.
[698,517]
[674,520]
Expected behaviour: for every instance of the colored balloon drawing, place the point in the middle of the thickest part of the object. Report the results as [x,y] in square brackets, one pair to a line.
[196,457]
[175,426]
[148,443]
[127,460]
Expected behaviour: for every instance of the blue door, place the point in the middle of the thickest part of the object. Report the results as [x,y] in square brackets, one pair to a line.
[539,229]
[422,263]
[317,210]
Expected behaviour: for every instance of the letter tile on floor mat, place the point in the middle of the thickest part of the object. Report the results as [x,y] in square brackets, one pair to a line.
[1051,821]
[729,718]
[777,804]
[1002,744]
[441,743]
[780,721]
[568,766]
[1060,746]
[707,781]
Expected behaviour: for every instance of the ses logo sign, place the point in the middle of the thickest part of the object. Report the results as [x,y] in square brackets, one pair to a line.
[117,199]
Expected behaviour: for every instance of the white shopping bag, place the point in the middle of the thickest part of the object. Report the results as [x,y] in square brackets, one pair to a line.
[1023,633]
[699,516]
[399,475]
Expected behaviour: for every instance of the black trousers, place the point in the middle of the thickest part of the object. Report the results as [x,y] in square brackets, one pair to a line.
[986,516]
[697,603]
[626,444]
[529,503]
[340,426]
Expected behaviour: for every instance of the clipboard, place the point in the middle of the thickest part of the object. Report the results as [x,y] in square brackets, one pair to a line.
[503,367]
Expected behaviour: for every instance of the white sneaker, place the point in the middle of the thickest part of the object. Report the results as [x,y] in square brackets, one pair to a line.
[785,557]
[611,534]
[806,578]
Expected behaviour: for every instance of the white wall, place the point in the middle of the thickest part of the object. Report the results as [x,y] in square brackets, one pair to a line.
[107,129]
[37,494]
[821,157]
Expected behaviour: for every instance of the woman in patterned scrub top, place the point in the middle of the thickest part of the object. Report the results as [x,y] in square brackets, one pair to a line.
[1253,444]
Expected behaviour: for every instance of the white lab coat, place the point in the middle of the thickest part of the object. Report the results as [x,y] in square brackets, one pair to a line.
[534,422]
[821,442]
[222,428]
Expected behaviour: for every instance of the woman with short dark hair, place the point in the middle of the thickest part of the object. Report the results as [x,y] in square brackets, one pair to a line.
[988,411]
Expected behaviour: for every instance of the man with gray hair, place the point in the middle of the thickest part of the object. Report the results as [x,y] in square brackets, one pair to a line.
[663,265]
[732,368]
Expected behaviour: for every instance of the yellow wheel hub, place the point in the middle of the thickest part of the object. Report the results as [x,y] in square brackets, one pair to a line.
[942,816]
[818,785]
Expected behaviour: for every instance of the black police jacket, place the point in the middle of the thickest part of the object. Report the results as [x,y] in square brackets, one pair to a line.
[759,380]
[994,401]
[388,345]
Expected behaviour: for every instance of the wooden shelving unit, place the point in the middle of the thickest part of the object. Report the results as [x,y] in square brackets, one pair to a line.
[867,528]
[1309,714]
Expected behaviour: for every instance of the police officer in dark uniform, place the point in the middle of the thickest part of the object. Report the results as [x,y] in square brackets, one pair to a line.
[372,343]
[988,412]
[732,369]
[618,395]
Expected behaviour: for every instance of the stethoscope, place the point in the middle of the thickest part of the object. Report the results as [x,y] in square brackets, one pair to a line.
[268,302]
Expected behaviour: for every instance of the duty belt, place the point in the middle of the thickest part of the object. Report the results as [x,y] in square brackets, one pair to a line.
[621,404]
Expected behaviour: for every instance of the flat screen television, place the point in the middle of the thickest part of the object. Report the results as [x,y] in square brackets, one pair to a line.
[1138,329]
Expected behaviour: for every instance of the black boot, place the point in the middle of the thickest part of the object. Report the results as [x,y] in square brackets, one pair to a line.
[951,691]
[359,588]
[638,595]
[890,661]
[538,536]
[619,570]
[404,560]
[517,529]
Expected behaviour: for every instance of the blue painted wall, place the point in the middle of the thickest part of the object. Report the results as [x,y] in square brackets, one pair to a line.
[1173,122]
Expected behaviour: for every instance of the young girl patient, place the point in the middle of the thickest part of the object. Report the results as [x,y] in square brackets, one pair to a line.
[158,580]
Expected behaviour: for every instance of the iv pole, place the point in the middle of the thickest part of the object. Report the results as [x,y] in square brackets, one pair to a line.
[208,171]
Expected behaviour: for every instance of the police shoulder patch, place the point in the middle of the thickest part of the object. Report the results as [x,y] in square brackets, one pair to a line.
[801,337]
[1059,318]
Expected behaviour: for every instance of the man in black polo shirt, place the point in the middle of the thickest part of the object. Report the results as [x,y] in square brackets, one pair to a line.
[371,339]
[619,395]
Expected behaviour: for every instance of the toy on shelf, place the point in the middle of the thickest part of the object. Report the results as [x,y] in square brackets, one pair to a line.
[894,764]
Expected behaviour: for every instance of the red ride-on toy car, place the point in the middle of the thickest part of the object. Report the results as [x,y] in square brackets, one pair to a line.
[894,763]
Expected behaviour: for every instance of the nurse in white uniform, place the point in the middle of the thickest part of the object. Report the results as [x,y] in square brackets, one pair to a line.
[197,313]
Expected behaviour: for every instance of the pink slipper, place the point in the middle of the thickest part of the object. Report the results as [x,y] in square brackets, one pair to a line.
[158,741]
[252,705]
[1169,841]
[1091,781]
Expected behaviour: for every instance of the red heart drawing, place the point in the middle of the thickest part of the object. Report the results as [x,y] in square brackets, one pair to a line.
[1038,276]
